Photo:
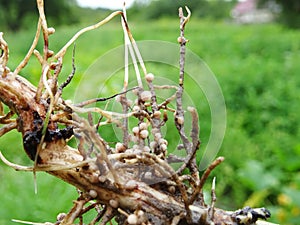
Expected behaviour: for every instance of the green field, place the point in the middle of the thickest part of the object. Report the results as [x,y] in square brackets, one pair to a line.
[257,67]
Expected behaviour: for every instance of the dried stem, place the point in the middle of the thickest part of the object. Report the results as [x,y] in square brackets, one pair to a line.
[204,176]
[179,108]
[8,127]
[3,56]
[62,52]
[128,46]
[30,51]
[75,211]
[40,5]
[213,199]
[70,77]
[91,101]
[123,99]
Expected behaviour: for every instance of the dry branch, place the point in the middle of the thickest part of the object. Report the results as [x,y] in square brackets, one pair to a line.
[132,182]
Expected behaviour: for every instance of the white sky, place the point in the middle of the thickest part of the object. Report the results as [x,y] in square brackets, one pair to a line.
[110,4]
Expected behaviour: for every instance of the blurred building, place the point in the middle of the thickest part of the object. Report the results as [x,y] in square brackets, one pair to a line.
[247,11]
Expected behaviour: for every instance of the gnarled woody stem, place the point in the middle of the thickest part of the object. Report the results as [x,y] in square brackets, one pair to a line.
[130,195]
[59,153]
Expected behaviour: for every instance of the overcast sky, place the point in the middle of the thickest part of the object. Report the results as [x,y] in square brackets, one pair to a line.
[110,4]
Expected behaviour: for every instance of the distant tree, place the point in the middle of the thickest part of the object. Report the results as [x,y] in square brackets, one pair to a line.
[290,13]
[201,8]
[14,14]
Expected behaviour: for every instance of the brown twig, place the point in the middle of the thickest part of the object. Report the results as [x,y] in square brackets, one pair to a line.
[3,56]
[190,159]
[70,77]
[75,211]
[10,126]
[91,101]
[107,216]
[179,117]
[204,176]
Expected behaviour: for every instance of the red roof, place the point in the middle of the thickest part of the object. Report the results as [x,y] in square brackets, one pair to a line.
[245,7]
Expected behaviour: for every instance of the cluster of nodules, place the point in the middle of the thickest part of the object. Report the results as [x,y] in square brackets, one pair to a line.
[144,136]
[142,142]
[138,217]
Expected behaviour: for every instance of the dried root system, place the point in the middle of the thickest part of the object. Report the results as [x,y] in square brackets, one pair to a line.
[132,182]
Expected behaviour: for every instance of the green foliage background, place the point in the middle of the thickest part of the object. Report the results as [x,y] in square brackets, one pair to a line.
[257,67]
[18,14]
[217,9]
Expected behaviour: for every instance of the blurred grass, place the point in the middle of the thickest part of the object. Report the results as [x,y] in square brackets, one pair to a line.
[258,69]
